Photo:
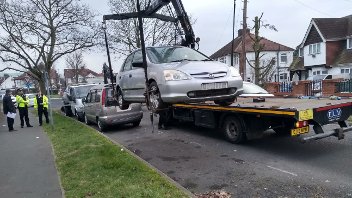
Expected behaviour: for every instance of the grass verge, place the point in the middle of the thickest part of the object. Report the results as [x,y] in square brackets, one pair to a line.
[90,165]
[350,119]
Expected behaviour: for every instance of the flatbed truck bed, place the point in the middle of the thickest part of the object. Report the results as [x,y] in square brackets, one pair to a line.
[288,116]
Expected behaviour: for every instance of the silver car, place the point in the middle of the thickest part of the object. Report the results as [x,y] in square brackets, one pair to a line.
[101,107]
[176,74]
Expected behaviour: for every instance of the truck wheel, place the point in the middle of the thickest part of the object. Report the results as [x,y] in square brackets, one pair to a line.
[233,130]
[122,103]
[101,126]
[68,111]
[154,97]
[224,103]
[135,124]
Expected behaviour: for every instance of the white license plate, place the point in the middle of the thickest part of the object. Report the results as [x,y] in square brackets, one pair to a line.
[217,85]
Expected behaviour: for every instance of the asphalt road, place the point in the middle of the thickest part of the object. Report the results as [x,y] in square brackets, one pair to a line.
[273,166]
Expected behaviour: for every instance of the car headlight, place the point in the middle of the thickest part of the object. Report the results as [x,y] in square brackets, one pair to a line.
[175,75]
[234,72]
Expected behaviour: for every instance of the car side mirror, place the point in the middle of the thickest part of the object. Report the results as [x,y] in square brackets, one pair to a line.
[137,64]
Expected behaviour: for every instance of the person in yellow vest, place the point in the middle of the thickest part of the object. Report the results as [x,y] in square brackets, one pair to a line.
[41,104]
[22,104]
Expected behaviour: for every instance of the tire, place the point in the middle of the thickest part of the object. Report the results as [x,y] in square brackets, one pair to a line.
[234,130]
[122,103]
[137,123]
[226,102]
[68,111]
[101,126]
[156,103]
[86,120]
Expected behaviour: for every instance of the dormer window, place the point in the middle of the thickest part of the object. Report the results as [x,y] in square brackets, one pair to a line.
[300,52]
[349,43]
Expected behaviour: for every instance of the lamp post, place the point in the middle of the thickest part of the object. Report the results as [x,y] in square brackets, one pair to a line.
[233,30]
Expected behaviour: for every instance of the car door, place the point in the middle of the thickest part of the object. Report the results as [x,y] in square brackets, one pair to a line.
[137,79]
[124,78]
[88,106]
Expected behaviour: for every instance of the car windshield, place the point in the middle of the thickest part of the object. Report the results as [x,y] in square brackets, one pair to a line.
[82,91]
[160,55]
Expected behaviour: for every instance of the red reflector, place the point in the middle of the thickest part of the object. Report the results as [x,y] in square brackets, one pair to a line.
[301,124]
[103,96]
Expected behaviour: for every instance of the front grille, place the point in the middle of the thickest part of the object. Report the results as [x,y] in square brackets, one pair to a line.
[208,75]
[210,93]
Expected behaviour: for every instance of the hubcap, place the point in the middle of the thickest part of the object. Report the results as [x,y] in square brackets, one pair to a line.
[233,129]
[99,125]
[119,98]
[154,97]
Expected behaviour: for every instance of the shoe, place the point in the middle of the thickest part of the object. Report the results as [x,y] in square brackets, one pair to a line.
[40,124]
[12,130]
[21,126]
[29,126]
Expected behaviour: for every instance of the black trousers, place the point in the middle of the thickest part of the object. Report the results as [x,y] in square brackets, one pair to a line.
[24,115]
[42,110]
[165,117]
[10,122]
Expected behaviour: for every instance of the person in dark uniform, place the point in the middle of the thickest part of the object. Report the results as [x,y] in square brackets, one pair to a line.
[41,103]
[9,107]
[22,102]
[165,117]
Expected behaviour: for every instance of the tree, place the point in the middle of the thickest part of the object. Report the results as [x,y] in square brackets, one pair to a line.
[75,61]
[43,31]
[124,35]
[6,76]
[263,69]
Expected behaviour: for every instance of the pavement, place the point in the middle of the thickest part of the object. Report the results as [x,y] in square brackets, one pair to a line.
[27,166]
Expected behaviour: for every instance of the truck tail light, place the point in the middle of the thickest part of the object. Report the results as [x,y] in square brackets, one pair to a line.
[103,97]
[301,124]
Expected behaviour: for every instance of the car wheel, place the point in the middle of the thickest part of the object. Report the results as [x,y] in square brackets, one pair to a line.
[154,97]
[86,120]
[226,102]
[122,103]
[101,126]
[233,130]
[137,123]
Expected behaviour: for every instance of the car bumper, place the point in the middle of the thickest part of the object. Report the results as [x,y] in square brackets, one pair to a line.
[191,90]
[123,118]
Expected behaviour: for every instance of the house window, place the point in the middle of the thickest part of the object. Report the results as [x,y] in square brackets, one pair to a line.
[324,72]
[301,52]
[314,48]
[236,59]
[349,43]
[345,71]
[222,59]
[283,76]
[283,58]
[318,72]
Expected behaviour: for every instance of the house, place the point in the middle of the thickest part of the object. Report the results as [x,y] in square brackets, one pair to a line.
[326,48]
[7,83]
[271,50]
[25,80]
[84,76]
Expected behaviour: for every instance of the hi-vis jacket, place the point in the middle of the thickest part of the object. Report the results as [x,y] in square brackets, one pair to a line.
[22,101]
[45,102]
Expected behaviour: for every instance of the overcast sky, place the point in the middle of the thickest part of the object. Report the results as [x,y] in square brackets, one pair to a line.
[214,21]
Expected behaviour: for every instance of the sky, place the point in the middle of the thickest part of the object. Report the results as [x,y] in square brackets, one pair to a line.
[214,22]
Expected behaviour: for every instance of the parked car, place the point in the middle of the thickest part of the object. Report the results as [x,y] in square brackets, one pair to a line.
[253,90]
[31,99]
[72,99]
[101,108]
[176,74]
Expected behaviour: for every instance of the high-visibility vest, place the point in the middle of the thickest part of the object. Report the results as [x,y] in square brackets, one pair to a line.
[45,102]
[22,102]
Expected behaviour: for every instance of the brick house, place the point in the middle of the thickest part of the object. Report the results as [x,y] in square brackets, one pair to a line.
[271,50]
[326,49]
[26,81]
[84,76]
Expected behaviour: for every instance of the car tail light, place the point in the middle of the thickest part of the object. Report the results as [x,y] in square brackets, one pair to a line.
[103,96]
[301,124]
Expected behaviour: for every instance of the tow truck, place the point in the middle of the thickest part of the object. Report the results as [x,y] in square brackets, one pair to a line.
[249,117]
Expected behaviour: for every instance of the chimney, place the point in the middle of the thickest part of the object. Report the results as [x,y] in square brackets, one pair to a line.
[240,31]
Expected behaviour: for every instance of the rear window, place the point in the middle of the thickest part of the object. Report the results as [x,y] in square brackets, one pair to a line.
[110,100]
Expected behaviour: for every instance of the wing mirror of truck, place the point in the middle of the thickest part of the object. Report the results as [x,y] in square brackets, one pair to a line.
[137,64]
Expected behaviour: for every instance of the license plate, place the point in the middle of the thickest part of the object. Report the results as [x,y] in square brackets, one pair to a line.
[217,85]
[295,132]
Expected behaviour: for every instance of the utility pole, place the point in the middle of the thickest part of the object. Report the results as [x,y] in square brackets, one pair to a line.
[233,30]
[244,33]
